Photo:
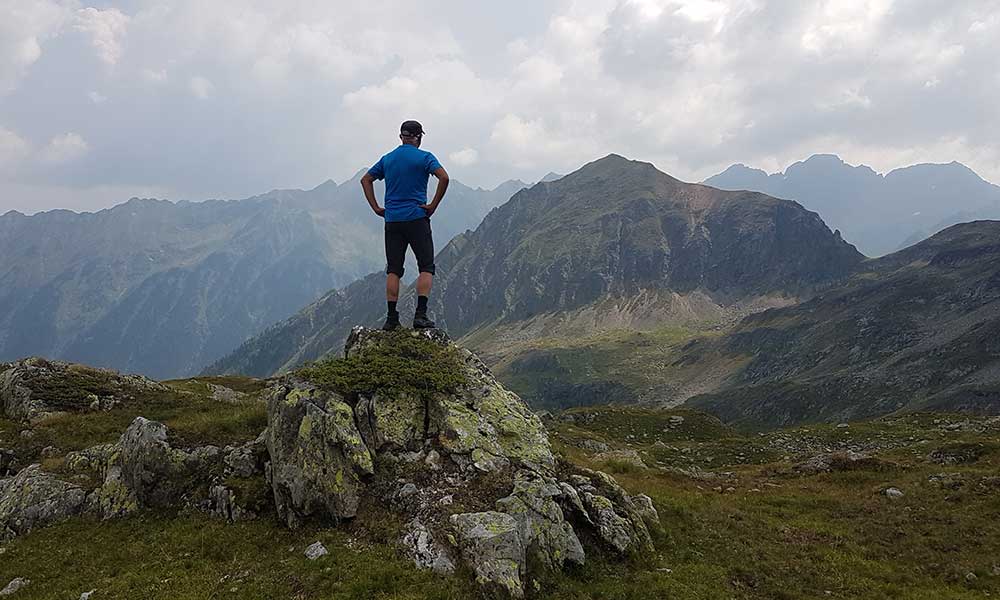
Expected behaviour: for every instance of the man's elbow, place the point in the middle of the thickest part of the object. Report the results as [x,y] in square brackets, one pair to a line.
[367,179]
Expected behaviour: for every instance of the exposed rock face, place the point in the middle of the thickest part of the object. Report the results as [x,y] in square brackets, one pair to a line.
[143,470]
[463,462]
[34,388]
[33,498]
[479,443]
[419,542]
[318,459]
[491,544]
[543,530]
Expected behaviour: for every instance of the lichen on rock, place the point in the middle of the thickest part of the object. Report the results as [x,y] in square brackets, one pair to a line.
[35,388]
[318,460]
[33,498]
[491,544]
[144,470]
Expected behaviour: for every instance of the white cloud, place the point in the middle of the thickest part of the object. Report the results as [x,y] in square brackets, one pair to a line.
[105,28]
[63,148]
[313,90]
[465,157]
[13,150]
[24,27]
[201,87]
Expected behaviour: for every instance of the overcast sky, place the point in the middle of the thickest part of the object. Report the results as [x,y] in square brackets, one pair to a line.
[192,99]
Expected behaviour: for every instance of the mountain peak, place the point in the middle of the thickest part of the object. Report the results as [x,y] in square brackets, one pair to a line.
[616,165]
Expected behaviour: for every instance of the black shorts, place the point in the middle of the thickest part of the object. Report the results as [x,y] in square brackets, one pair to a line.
[415,234]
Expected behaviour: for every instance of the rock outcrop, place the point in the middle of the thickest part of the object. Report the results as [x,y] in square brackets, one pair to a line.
[429,455]
[407,423]
[34,388]
[144,470]
[318,459]
[33,498]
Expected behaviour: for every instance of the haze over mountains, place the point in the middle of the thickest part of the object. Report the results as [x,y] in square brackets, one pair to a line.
[618,283]
[614,244]
[879,213]
[164,288]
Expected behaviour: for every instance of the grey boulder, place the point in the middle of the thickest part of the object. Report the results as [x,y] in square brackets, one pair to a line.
[33,498]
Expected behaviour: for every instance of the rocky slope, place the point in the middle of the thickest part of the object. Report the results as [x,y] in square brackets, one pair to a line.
[879,213]
[405,424]
[163,288]
[614,244]
[915,330]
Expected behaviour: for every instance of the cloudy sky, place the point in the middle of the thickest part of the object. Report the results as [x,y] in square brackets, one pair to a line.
[188,99]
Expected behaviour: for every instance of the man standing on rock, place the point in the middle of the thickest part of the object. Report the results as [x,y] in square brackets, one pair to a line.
[407,216]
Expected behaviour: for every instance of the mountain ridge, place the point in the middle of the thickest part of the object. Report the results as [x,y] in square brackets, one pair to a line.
[611,228]
[880,212]
[162,287]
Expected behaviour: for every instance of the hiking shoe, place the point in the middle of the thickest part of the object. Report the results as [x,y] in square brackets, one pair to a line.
[391,322]
[422,322]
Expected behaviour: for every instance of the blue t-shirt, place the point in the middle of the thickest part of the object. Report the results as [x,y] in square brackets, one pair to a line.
[405,171]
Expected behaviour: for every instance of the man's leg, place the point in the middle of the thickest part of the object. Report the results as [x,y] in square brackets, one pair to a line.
[422,242]
[395,253]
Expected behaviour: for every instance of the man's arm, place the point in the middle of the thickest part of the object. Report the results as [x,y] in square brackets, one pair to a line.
[368,185]
[442,187]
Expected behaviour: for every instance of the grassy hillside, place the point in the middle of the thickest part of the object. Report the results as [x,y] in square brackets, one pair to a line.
[741,518]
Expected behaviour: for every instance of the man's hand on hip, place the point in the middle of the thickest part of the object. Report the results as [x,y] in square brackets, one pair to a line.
[379,211]
[429,208]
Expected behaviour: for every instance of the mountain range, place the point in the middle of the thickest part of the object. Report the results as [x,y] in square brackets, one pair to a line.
[918,330]
[615,244]
[879,213]
[164,288]
[618,283]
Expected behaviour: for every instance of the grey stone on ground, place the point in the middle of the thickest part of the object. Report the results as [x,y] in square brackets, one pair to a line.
[87,595]
[483,425]
[893,493]
[833,461]
[145,471]
[490,543]
[426,553]
[618,518]
[225,504]
[318,460]
[543,529]
[221,393]
[957,454]
[628,457]
[15,586]
[89,460]
[23,385]
[34,498]
[246,460]
[316,550]
[594,446]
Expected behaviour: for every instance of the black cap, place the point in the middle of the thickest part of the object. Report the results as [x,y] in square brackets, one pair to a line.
[411,128]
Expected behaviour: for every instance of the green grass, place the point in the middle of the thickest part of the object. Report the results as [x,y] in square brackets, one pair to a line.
[737,521]
[194,557]
[787,536]
[640,365]
[192,417]
[400,361]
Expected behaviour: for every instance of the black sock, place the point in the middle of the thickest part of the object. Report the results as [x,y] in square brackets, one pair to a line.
[392,307]
[421,305]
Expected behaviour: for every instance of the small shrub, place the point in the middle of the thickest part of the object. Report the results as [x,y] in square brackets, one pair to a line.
[399,361]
